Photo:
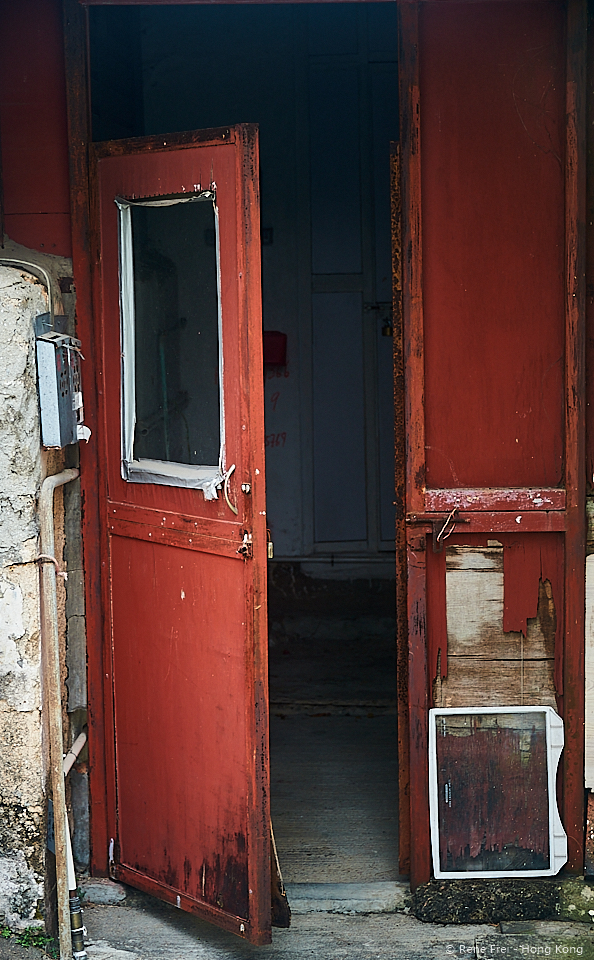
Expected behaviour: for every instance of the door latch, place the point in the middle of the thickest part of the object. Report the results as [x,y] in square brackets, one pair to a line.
[246,548]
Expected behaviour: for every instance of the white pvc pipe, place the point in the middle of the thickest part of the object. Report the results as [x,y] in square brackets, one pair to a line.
[53,687]
[77,929]
[73,753]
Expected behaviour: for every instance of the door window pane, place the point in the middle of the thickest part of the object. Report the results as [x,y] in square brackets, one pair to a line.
[176,333]
[171,339]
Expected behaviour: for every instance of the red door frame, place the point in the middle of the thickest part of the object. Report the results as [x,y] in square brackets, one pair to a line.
[569,509]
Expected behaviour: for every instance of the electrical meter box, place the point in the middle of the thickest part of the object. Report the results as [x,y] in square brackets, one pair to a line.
[59,383]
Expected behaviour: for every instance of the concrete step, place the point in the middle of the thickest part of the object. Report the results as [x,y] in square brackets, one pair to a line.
[348,898]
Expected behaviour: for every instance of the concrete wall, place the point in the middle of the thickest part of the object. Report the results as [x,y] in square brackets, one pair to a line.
[23,466]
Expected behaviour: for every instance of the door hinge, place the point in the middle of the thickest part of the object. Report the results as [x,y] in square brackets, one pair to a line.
[246,547]
[269,545]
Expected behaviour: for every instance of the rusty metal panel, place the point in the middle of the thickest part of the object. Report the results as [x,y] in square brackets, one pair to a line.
[575,433]
[186,641]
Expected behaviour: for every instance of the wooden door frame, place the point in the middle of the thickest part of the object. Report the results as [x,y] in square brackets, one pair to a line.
[414,754]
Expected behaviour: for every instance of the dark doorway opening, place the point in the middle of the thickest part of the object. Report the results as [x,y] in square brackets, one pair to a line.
[321,81]
[334,778]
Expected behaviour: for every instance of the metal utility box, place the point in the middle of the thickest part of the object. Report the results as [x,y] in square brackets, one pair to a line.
[59,384]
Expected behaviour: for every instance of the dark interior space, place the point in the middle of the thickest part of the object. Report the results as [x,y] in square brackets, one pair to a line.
[321,82]
[334,777]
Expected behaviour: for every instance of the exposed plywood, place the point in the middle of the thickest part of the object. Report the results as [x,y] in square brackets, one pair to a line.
[589,728]
[495,683]
[486,665]
[474,585]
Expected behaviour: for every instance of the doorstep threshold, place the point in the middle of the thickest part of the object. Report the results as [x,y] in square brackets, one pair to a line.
[348,898]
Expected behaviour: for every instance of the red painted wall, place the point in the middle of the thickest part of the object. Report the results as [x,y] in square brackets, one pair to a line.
[33,127]
[492,148]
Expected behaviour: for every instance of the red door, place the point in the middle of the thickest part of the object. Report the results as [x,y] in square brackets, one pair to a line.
[492,98]
[184,530]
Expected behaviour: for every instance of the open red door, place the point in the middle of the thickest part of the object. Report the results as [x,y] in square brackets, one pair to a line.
[177,292]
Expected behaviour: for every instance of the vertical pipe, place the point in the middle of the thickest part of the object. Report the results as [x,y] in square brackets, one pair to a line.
[52,683]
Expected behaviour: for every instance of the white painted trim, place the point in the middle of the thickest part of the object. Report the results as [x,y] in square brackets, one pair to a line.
[200,477]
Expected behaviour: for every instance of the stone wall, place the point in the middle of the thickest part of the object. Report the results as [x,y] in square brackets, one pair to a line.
[22,766]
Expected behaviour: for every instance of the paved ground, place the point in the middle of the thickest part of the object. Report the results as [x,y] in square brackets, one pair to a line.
[140,928]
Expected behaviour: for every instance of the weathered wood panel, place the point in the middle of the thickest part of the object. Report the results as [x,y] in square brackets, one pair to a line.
[589,708]
[589,857]
[474,585]
[494,683]
[488,666]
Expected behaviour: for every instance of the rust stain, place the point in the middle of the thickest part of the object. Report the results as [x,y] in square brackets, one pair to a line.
[437,647]
[224,881]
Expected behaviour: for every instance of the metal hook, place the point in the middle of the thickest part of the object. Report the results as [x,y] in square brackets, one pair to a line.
[226,489]
[442,535]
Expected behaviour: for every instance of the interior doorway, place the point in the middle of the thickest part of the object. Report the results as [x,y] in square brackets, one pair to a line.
[321,81]
[333,728]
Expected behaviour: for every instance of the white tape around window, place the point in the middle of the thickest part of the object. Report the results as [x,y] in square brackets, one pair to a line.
[209,479]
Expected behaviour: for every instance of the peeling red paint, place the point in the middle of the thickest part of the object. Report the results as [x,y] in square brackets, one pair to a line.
[527,560]
[522,571]
[437,624]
